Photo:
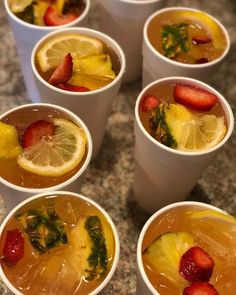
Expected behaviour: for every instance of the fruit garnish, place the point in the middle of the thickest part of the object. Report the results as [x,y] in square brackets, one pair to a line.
[149,102]
[70,87]
[176,127]
[44,228]
[194,97]
[56,155]
[63,71]
[51,53]
[196,265]
[52,18]
[164,255]
[13,248]
[201,39]
[202,60]
[88,236]
[200,288]
[17,6]
[9,142]
[174,39]
[207,22]
[96,65]
[212,215]
[89,81]
[37,131]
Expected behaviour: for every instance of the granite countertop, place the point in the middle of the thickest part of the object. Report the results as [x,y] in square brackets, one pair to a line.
[109,177]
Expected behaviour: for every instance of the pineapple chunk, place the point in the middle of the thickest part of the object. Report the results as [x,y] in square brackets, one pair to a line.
[96,65]
[165,252]
[88,242]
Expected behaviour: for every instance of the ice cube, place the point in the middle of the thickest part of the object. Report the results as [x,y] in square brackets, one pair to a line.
[57,277]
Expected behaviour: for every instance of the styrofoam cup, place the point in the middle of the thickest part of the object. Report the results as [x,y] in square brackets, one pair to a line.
[143,285]
[105,282]
[93,107]
[25,37]
[157,66]
[164,175]
[123,20]
[14,194]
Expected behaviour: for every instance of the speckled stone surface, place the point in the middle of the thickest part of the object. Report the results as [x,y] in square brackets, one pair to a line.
[109,178]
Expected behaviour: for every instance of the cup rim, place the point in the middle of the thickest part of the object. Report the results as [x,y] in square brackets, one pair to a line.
[87,199]
[90,33]
[146,226]
[188,81]
[46,29]
[74,118]
[180,64]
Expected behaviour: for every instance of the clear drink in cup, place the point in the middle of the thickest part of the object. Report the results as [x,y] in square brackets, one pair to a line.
[180,126]
[58,242]
[43,147]
[26,34]
[180,41]
[187,246]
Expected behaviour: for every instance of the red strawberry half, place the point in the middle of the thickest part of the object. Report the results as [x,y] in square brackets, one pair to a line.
[201,39]
[52,18]
[194,97]
[200,288]
[149,102]
[70,87]
[13,249]
[37,130]
[196,265]
[63,72]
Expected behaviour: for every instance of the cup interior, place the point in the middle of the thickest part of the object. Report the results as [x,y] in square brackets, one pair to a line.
[116,51]
[207,21]
[191,82]
[149,223]
[71,116]
[83,198]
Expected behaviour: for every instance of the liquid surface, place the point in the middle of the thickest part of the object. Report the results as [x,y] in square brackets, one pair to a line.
[11,171]
[60,270]
[217,238]
[197,24]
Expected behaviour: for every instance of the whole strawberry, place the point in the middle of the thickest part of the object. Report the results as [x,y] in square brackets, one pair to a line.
[13,249]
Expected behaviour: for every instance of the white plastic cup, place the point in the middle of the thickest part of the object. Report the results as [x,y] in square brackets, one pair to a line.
[164,175]
[93,107]
[157,66]
[26,35]
[105,282]
[14,194]
[123,20]
[143,285]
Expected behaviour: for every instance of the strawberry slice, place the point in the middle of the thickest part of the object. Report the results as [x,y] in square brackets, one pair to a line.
[36,131]
[52,18]
[149,102]
[196,265]
[63,72]
[201,39]
[194,97]
[200,288]
[70,87]
[13,248]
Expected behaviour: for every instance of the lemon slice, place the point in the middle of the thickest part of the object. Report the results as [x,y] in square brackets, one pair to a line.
[194,132]
[213,215]
[17,6]
[9,142]
[50,55]
[57,156]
